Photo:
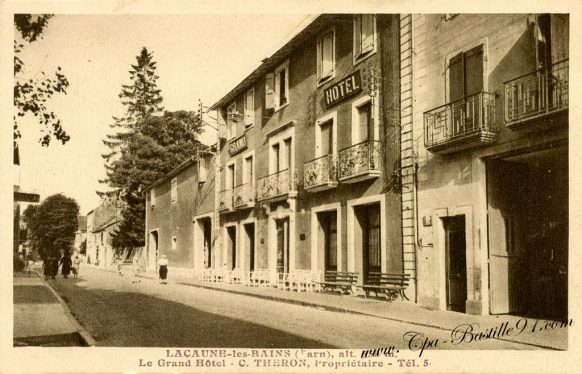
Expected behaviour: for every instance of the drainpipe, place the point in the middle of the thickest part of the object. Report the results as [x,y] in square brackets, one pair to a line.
[418,241]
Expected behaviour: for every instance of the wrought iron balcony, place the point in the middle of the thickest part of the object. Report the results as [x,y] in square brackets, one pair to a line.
[460,125]
[281,184]
[244,196]
[225,200]
[360,162]
[320,174]
[537,94]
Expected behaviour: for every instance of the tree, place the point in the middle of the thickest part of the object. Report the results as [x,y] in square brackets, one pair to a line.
[31,93]
[142,99]
[52,225]
[162,143]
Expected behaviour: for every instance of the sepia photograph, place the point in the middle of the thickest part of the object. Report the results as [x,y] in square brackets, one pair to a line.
[329,190]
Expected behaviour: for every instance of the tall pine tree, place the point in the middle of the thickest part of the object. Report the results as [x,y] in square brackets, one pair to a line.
[142,99]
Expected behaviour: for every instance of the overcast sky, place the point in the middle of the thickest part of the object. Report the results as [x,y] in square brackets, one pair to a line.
[198,56]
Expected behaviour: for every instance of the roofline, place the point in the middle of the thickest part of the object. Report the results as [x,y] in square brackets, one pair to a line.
[173,172]
[270,61]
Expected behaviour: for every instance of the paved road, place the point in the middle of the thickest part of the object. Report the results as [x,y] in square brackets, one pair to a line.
[119,313]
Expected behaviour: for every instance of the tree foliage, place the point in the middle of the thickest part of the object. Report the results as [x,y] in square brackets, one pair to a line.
[162,143]
[52,225]
[31,94]
[141,98]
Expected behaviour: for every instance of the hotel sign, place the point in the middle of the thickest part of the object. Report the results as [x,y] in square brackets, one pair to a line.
[349,86]
[237,145]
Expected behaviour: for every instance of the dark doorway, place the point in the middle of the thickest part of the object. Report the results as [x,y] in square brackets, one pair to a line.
[456,263]
[231,233]
[250,241]
[328,221]
[371,238]
[207,232]
[282,245]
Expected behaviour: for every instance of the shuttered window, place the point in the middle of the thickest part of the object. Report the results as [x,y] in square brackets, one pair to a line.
[365,122]
[364,35]
[249,108]
[325,55]
[466,74]
[326,146]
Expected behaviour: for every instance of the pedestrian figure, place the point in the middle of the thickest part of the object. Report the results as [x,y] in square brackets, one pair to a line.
[54,267]
[46,267]
[66,262]
[163,263]
[136,270]
[76,266]
[119,262]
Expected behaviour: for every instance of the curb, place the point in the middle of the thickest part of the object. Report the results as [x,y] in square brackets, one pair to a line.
[340,310]
[84,334]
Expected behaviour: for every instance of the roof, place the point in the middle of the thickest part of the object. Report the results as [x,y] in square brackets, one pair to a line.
[176,170]
[315,23]
[82,223]
[105,225]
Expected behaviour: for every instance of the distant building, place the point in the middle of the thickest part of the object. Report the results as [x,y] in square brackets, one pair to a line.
[179,217]
[101,224]
[81,233]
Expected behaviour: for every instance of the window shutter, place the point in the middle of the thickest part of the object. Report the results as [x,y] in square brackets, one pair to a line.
[367,33]
[358,35]
[270,91]
[249,110]
[474,71]
[456,78]
[326,138]
[327,55]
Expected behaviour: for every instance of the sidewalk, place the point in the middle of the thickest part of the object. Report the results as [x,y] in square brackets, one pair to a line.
[407,312]
[41,317]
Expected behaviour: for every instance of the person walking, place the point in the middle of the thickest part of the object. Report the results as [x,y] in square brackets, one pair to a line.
[76,266]
[136,270]
[54,267]
[66,262]
[163,263]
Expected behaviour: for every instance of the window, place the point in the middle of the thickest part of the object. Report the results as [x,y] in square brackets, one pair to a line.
[230,177]
[174,190]
[202,170]
[248,170]
[325,135]
[466,74]
[174,243]
[364,36]
[231,119]
[275,152]
[286,161]
[282,86]
[363,121]
[326,56]
[249,108]
[152,198]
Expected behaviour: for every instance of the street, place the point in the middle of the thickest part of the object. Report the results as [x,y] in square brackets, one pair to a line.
[119,313]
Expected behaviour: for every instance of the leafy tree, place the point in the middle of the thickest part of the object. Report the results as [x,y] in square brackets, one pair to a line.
[162,143]
[32,93]
[142,99]
[52,225]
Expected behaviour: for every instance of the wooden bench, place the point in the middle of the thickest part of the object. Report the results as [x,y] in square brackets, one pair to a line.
[342,281]
[390,284]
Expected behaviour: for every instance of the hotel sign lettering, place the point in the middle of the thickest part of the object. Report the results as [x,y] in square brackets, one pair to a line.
[349,86]
[237,145]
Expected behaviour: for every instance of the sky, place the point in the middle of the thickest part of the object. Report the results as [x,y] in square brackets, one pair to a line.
[198,57]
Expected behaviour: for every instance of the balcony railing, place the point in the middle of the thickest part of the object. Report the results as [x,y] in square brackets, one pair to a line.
[225,200]
[360,161]
[278,184]
[244,195]
[320,173]
[536,94]
[462,124]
